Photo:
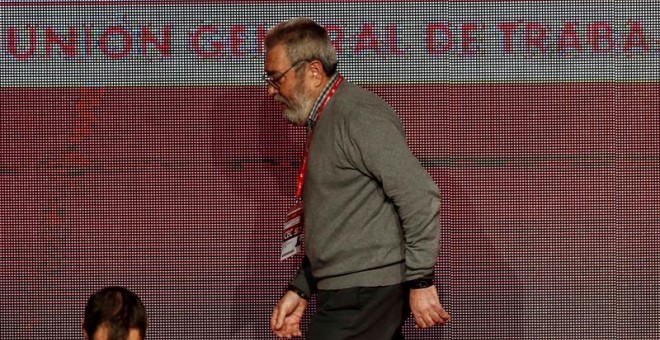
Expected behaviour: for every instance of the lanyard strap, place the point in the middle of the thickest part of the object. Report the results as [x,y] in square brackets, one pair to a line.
[308,142]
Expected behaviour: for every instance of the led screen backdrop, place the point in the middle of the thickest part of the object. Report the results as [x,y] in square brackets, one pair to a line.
[138,147]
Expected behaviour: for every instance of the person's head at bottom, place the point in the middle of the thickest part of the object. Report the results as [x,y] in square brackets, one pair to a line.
[114,313]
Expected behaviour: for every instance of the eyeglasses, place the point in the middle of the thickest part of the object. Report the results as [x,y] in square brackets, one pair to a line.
[275,82]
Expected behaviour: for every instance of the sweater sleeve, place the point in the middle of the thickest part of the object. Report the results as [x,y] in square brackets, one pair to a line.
[304,279]
[377,147]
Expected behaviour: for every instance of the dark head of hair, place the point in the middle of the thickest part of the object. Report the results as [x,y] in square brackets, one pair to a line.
[304,39]
[116,308]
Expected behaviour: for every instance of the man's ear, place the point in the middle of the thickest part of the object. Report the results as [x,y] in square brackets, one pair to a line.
[318,74]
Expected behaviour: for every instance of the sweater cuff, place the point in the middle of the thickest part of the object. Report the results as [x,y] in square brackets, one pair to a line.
[298,291]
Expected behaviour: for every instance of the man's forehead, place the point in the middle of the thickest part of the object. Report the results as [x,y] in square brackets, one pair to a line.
[103,333]
[276,58]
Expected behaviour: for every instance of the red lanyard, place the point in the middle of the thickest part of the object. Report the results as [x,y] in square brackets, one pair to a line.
[308,142]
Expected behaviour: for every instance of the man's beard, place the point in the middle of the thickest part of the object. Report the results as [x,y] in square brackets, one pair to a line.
[298,108]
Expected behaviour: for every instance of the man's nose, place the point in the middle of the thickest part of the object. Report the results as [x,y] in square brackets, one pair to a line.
[271,90]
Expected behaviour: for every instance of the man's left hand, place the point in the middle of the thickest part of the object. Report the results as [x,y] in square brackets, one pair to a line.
[426,308]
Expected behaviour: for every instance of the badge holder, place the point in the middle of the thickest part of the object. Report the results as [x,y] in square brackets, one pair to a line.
[292,234]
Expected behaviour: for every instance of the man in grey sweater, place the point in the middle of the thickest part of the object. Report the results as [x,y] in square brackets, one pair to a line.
[370,208]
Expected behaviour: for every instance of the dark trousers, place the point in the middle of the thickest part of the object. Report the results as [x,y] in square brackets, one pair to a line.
[363,313]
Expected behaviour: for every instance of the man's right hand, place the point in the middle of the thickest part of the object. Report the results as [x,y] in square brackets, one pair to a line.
[285,320]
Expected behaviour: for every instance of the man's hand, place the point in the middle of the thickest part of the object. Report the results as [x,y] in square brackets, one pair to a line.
[285,321]
[426,308]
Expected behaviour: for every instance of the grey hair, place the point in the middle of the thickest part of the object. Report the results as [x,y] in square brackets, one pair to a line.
[304,39]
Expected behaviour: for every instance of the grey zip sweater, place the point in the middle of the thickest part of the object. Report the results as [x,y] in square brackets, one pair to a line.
[371,209]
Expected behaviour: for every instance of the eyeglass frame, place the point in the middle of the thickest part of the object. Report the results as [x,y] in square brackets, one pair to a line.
[275,82]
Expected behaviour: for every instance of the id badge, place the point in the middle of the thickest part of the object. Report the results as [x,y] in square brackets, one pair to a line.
[293,228]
